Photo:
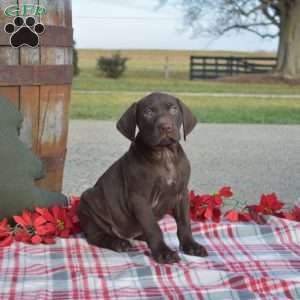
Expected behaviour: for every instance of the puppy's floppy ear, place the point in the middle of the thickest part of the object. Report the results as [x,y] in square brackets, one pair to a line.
[127,124]
[189,121]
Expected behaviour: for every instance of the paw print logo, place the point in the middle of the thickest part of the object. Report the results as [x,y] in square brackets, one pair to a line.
[24,32]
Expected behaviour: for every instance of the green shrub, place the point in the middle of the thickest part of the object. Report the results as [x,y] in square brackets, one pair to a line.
[112,67]
[76,69]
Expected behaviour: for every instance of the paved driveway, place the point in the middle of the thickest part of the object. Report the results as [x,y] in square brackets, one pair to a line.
[253,159]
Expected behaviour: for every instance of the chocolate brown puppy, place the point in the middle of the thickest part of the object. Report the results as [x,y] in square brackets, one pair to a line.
[148,181]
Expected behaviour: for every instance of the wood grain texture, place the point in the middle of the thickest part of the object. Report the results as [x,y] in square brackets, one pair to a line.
[52,56]
[53,181]
[68,13]
[53,129]
[55,13]
[69,56]
[38,81]
[29,56]
[35,74]
[9,56]
[57,36]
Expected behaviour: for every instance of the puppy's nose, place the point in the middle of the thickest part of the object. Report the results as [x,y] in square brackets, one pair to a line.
[166,127]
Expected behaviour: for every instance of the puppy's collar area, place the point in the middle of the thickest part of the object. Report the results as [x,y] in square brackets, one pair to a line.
[156,153]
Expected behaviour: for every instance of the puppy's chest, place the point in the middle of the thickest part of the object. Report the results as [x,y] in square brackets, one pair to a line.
[167,172]
[166,186]
[169,175]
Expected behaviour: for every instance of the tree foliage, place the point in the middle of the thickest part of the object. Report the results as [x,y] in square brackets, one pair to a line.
[266,18]
[261,17]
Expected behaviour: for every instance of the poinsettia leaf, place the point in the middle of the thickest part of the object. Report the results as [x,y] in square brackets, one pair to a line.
[44,212]
[40,210]
[36,239]
[191,195]
[27,217]
[22,236]
[225,192]
[217,200]
[216,216]
[39,221]
[296,213]
[56,211]
[208,213]
[6,241]
[3,223]
[19,220]
[245,217]
[42,230]
[49,240]
[50,228]
[64,233]
[232,216]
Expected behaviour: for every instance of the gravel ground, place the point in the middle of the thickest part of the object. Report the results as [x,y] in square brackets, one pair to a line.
[253,159]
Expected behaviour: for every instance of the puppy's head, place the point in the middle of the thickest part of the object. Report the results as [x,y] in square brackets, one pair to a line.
[159,118]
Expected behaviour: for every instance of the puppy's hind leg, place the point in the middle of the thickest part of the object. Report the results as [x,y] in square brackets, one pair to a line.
[96,227]
[103,240]
[97,237]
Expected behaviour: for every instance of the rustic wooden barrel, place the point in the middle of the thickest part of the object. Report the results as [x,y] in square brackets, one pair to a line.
[38,81]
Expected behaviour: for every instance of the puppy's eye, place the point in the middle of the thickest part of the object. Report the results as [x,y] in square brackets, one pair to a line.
[148,112]
[173,109]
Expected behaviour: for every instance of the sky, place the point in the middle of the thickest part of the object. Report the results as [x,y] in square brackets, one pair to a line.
[140,24]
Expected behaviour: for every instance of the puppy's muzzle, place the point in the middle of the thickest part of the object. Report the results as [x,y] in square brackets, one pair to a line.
[166,128]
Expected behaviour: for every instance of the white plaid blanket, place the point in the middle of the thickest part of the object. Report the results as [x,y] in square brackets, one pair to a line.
[246,261]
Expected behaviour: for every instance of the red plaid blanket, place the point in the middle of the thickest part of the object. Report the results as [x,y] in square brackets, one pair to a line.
[246,261]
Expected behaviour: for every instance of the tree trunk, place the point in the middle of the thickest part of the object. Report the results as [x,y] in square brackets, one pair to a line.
[288,54]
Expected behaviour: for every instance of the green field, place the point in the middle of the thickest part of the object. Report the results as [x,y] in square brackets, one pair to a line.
[96,97]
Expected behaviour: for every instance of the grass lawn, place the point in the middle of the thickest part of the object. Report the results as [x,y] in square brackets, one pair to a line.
[110,106]
[145,73]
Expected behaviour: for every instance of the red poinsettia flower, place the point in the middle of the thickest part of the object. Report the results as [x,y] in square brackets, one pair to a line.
[269,205]
[236,216]
[244,217]
[58,220]
[232,216]
[293,215]
[6,237]
[33,228]
[225,192]
[296,213]
[205,207]
[22,235]
[216,200]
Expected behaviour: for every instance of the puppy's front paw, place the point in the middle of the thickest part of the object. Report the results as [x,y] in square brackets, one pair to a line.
[193,248]
[120,245]
[165,255]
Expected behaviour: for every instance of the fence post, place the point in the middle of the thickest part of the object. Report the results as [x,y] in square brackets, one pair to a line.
[204,67]
[191,68]
[166,68]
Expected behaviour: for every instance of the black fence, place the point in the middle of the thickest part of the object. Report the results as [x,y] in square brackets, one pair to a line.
[211,67]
